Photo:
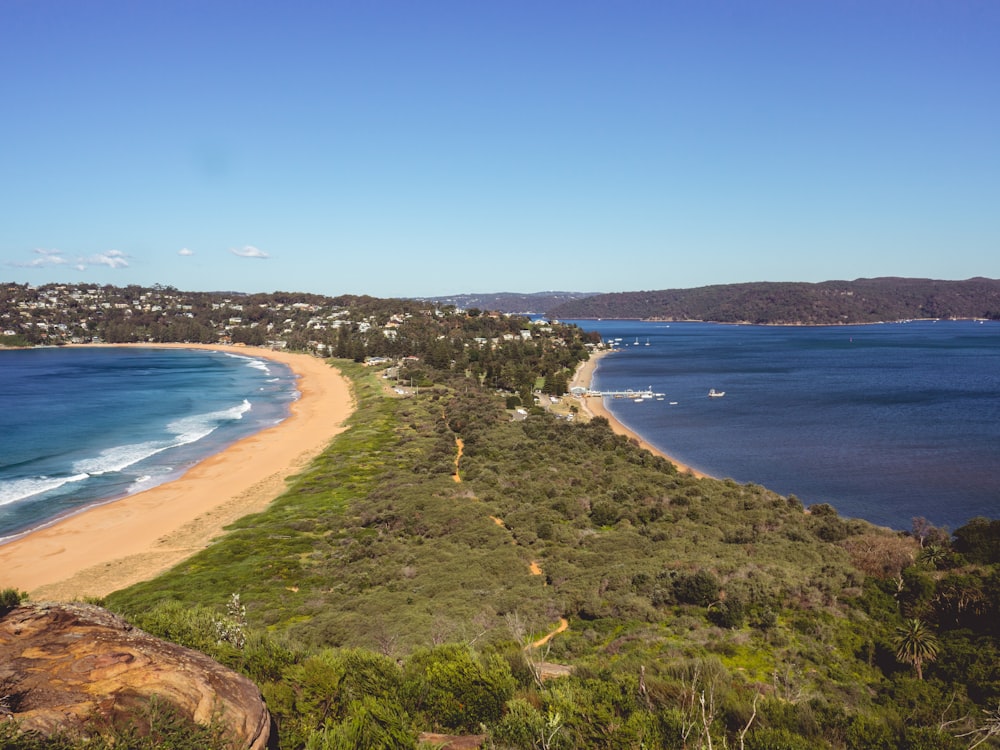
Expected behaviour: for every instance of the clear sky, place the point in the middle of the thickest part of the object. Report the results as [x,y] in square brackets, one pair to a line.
[431,147]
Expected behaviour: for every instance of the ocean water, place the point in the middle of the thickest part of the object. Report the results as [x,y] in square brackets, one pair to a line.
[884,422]
[84,426]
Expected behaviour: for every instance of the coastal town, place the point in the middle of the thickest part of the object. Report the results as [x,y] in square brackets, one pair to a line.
[511,353]
[85,313]
[54,314]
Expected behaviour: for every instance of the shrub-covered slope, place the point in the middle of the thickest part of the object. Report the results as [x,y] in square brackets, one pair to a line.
[675,590]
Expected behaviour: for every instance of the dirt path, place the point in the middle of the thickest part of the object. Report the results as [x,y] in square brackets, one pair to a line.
[533,566]
[563,624]
[459,447]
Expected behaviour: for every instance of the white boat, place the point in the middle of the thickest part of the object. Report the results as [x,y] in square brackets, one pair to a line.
[712,393]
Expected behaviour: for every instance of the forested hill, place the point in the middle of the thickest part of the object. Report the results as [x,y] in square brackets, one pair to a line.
[511,302]
[828,302]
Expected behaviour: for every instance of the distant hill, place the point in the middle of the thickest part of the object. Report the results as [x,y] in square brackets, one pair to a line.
[510,302]
[825,303]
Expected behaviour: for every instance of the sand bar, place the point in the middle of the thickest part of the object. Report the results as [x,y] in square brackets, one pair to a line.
[111,546]
[594,406]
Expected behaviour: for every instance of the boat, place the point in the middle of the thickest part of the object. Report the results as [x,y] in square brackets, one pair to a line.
[712,393]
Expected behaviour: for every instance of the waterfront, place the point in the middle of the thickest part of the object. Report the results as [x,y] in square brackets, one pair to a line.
[85,425]
[884,422]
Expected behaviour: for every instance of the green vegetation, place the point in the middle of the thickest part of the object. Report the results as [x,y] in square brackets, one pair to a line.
[676,589]
[14,341]
[796,303]
[10,598]
[387,593]
[915,644]
[149,725]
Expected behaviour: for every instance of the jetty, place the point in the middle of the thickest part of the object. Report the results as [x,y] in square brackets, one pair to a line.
[629,393]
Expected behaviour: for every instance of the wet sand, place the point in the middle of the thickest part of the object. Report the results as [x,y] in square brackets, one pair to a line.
[111,546]
[594,406]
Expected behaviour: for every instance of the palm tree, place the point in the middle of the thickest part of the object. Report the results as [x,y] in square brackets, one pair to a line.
[931,555]
[915,644]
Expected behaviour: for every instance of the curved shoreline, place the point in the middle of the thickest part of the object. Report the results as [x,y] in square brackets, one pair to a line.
[116,544]
[595,407]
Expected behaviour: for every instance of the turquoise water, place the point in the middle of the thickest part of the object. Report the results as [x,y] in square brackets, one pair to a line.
[884,422]
[82,426]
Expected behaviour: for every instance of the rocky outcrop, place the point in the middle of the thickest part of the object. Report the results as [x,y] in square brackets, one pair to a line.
[60,663]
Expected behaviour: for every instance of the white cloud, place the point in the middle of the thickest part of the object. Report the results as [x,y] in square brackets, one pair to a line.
[248,251]
[111,259]
[47,258]
[185,251]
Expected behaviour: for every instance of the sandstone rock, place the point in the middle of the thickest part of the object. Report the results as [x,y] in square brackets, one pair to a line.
[63,662]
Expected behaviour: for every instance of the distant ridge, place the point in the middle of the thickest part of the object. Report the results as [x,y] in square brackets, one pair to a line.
[510,302]
[791,303]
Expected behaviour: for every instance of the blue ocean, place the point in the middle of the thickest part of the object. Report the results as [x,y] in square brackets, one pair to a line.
[883,422]
[83,426]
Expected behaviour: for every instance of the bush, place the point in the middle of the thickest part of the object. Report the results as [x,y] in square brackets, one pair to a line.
[368,723]
[979,541]
[604,513]
[728,614]
[452,688]
[701,588]
[777,739]
[10,598]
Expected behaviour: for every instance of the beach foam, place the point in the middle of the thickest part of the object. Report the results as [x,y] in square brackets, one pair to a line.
[186,431]
[108,546]
[23,489]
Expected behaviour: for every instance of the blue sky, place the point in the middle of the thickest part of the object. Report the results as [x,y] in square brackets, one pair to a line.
[402,148]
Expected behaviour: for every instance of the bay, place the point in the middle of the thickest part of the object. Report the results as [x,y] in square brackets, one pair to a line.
[884,422]
[81,426]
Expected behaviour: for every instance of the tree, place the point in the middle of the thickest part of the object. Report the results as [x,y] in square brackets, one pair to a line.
[979,540]
[701,588]
[915,644]
[453,688]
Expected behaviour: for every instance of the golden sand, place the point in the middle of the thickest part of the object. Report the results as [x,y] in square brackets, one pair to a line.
[120,543]
[594,406]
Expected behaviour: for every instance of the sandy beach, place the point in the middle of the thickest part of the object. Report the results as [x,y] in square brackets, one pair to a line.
[120,543]
[594,406]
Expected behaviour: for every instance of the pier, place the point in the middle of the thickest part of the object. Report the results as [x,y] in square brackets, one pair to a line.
[630,393]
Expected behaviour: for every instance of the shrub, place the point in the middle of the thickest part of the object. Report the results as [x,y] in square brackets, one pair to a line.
[452,688]
[979,541]
[604,513]
[777,739]
[701,588]
[730,613]
[10,598]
